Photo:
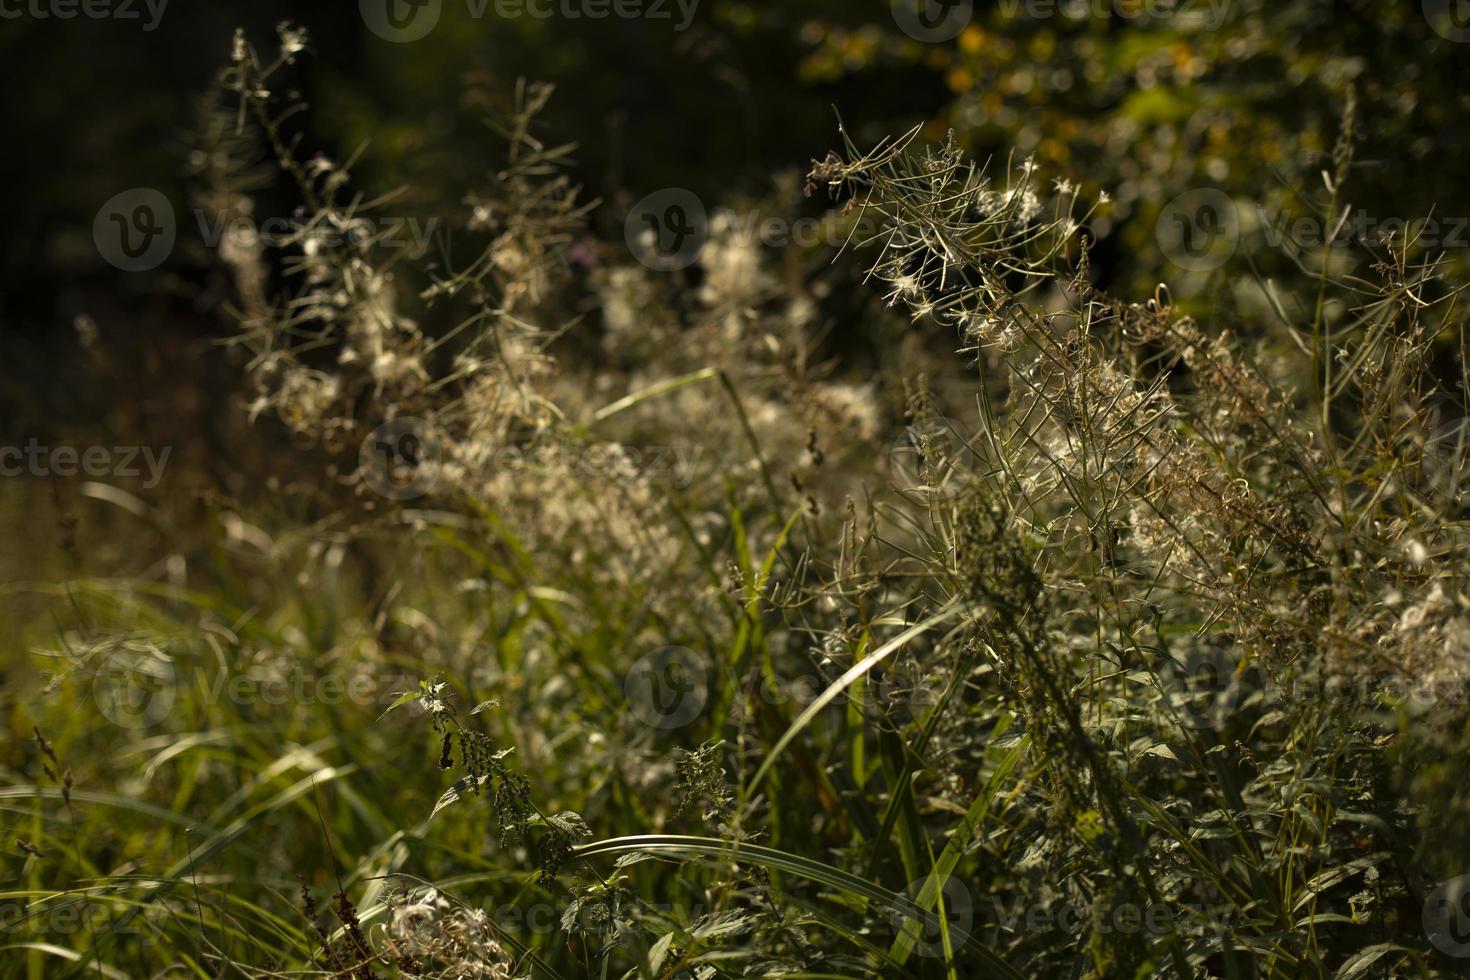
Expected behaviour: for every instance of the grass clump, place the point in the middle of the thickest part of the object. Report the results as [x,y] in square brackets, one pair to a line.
[1080,637]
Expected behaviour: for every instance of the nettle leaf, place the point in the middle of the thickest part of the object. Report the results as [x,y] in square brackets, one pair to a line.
[588,914]
[483,705]
[639,857]
[403,698]
[723,924]
[455,792]
[569,823]
[660,952]
[701,775]
[1324,880]
[556,845]
[1358,965]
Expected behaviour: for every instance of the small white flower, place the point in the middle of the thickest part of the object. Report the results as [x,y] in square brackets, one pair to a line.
[293,39]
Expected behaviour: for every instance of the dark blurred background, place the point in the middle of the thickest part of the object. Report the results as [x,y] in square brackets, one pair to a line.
[1146,100]
[97,106]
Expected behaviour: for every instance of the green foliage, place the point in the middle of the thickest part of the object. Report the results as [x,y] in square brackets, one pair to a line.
[1068,635]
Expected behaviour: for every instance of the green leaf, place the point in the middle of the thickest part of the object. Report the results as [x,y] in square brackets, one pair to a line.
[402,699]
[769,857]
[454,793]
[1358,965]
[933,887]
[841,684]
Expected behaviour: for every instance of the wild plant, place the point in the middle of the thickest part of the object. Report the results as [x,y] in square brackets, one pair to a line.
[1030,631]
